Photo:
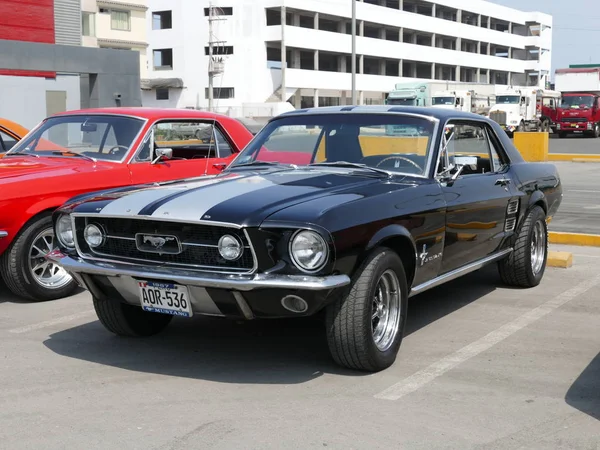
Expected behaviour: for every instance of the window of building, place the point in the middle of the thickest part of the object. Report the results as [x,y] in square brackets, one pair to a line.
[221,92]
[88,24]
[163,59]
[162,94]
[119,19]
[219,11]
[162,20]
[220,50]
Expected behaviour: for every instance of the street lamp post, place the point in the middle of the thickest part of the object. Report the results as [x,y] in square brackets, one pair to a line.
[353,52]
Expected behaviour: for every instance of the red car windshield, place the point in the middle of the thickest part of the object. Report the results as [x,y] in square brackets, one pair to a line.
[103,137]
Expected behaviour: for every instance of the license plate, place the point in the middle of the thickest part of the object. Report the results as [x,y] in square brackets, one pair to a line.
[165,298]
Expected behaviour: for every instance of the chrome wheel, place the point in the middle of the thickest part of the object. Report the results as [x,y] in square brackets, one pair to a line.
[538,247]
[386,310]
[47,274]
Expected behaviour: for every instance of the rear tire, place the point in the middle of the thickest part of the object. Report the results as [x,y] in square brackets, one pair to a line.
[526,265]
[365,327]
[25,271]
[128,320]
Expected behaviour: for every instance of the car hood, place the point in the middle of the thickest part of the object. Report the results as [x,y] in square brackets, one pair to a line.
[246,198]
[15,168]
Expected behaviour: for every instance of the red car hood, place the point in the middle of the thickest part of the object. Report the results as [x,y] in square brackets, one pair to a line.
[30,167]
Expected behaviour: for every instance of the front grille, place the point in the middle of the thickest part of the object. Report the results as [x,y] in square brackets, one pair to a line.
[573,119]
[498,117]
[198,243]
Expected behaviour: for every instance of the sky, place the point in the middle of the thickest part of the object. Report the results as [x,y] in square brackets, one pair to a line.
[576,29]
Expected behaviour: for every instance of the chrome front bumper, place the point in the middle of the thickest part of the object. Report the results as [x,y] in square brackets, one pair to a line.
[3,234]
[76,266]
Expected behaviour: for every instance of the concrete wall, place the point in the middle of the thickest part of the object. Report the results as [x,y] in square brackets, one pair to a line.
[111,71]
[24,98]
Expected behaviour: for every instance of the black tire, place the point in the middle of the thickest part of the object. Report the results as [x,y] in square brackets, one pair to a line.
[516,269]
[15,266]
[129,320]
[349,319]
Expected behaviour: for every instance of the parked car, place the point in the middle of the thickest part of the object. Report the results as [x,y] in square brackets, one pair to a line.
[370,218]
[81,151]
[10,133]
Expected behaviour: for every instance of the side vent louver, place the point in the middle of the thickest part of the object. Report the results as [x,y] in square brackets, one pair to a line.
[513,207]
[510,224]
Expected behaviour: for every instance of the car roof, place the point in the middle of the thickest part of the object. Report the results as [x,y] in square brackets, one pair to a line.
[439,113]
[144,112]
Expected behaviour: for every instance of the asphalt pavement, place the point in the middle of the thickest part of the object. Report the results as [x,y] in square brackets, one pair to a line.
[574,144]
[482,366]
[580,208]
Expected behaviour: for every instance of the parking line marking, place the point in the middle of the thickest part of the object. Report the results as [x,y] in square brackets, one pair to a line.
[427,375]
[49,323]
[584,190]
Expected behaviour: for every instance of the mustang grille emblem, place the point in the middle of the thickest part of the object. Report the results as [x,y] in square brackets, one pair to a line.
[158,243]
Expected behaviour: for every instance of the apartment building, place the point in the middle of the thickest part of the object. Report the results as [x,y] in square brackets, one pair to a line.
[116,24]
[397,40]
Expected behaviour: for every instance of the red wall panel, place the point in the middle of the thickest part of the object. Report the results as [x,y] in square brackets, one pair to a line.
[28,21]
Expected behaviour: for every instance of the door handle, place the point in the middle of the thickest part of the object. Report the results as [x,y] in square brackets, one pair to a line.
[502,181]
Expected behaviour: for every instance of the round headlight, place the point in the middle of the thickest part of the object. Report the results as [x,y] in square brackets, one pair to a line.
[230,248]
[93,235]
[309,251]
[64,231]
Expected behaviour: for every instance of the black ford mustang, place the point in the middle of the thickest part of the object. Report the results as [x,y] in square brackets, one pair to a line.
[346,210]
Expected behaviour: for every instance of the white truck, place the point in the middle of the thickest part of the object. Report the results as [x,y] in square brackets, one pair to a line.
[521,108]
[476,101]
[462,96]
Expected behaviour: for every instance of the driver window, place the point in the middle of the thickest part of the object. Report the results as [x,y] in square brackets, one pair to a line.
[468,139]
[188,139]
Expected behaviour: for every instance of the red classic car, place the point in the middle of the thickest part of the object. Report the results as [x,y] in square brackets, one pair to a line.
[76,152]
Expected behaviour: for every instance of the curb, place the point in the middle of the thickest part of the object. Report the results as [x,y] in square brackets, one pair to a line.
[574,157]
[589,240]
[563,260]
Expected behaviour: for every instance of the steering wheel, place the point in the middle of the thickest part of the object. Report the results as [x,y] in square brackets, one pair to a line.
[402,158]
[113,150]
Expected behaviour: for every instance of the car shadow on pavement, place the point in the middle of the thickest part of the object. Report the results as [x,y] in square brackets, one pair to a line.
[584,393]
[6,296]
[257,352]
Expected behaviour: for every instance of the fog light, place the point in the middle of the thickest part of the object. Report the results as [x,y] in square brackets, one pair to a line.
[294,304]
[93,235]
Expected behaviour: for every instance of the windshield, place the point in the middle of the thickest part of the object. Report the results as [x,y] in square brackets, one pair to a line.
[508,99]
[577,101]
[397,143]
[104,137]
[401,101]
[442,101]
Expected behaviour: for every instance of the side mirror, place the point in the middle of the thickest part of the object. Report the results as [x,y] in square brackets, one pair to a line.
[162,154]
[460,162]
[219,166]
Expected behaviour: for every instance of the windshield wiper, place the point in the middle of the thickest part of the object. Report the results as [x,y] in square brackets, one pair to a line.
[79,155]
[352,165]
[262,163]
[22,154]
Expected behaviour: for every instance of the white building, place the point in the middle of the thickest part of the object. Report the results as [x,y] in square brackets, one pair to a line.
[397,41]
[117,24]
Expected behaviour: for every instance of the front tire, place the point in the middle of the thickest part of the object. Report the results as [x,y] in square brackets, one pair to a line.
[526,265]
[25,270]
[129,320]
[365,327]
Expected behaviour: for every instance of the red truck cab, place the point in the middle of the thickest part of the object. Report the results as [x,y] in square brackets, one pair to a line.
[579,112]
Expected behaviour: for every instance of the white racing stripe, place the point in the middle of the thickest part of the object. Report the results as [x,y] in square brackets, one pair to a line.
[49,323]
[427,375]
[132,204]
[195,205]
